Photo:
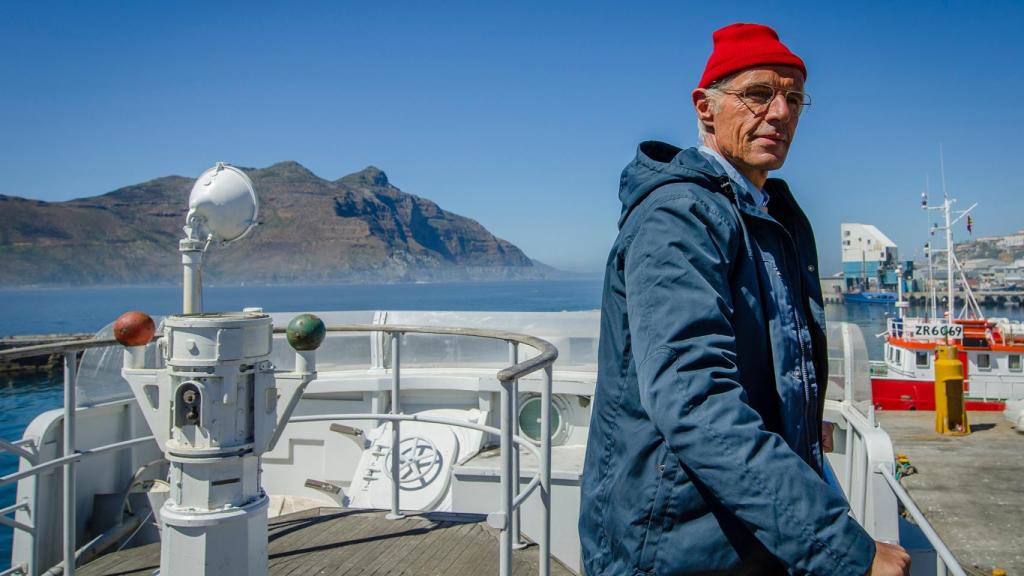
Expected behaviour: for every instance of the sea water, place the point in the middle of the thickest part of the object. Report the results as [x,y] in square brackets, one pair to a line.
[77,310]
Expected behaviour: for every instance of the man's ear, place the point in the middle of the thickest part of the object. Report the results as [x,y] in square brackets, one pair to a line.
[703,106]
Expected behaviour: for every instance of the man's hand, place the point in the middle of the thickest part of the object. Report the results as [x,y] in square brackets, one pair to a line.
[890,560]
[826,437]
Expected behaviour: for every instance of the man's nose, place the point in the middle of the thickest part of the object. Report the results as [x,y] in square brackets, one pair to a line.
[778,110]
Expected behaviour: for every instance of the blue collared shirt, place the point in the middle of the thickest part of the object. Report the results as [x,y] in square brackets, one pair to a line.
[757,196]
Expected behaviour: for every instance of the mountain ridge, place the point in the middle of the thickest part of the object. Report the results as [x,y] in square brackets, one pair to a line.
[357,228]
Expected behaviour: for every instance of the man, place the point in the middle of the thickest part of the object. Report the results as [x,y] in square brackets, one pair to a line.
[705,449]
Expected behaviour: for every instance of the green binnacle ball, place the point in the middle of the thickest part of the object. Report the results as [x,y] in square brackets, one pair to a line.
[306,332]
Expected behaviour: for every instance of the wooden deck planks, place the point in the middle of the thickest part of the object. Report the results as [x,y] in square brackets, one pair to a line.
[336,542]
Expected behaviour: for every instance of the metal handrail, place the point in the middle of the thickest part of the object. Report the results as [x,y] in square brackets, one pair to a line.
[17,450]
[19,569]
[70,346]
[945,557]
[506,520]
[72,458]
[547,351]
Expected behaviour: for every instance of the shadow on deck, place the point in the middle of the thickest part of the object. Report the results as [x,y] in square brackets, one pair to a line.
[338,542]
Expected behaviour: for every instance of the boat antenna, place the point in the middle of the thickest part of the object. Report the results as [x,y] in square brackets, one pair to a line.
[942,172]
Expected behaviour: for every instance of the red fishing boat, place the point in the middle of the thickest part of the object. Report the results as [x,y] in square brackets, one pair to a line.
[991,349]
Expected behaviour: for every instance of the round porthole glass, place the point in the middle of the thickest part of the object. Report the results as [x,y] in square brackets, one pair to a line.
[529,419]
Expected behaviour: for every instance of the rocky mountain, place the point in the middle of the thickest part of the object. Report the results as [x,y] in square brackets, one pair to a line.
[359,228]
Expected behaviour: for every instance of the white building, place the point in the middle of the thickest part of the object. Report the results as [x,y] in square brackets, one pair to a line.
[1013,240]
[864,242]
[869,257]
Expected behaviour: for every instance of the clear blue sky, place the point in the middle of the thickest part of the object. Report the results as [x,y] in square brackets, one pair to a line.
[520,115]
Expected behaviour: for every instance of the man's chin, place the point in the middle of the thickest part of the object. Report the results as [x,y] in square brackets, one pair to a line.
[769,161]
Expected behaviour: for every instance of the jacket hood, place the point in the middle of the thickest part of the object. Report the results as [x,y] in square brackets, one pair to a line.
[657,164]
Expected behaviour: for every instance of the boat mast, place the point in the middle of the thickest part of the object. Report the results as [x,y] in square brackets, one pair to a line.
[950,284]
[931,282]
[900,304]
[932,296]
[947,212]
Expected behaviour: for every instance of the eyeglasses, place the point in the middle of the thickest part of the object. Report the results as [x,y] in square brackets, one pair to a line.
[757,97]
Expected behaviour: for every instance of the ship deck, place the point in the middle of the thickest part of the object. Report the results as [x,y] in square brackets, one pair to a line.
[968,487]
[333,541]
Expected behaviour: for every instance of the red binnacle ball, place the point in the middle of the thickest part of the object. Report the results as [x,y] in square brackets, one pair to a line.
[134,329]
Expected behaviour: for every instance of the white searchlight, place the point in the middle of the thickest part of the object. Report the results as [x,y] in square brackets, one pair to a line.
[222,208]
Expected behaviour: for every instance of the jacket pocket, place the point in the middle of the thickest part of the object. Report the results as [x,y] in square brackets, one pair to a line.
[656,521]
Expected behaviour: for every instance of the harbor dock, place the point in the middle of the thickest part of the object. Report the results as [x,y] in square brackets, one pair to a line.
[969,487]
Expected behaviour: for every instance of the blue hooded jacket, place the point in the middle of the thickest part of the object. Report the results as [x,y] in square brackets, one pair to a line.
[704,456]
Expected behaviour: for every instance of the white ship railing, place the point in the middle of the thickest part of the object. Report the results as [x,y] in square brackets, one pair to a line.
[870,481]
[930,330]
[945,562]
[512,496]
[70,352]
[868,464]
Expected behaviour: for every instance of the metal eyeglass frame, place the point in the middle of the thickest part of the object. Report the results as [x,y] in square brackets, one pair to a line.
[756,108]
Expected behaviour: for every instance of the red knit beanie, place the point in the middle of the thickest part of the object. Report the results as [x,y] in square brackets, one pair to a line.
[742,46]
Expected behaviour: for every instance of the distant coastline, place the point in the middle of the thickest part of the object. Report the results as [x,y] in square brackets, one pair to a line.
[357,229]
[564,276]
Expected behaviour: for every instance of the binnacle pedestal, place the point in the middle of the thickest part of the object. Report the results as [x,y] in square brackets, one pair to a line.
[214,408]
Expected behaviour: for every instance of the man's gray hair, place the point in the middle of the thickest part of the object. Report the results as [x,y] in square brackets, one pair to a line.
[714,92]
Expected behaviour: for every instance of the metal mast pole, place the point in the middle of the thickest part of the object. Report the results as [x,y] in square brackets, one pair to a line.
[930,249]
[946,203]
[900,304]
[931,283]
[950,285]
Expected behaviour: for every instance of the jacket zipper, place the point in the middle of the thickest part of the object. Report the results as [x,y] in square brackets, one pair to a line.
[805,352]
[797,299]
[726,186]
[807,381]
[804,377]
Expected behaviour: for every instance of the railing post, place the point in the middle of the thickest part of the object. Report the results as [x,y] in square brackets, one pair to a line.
[847,362]
[513,358]
[507,493]
[850,432]
[70,369]
[544,542]
[396,447]
[862,464]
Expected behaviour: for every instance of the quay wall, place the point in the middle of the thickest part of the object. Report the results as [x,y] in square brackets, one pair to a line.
[986,299]
[35,364]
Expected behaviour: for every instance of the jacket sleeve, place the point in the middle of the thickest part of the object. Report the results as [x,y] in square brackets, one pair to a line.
[679,304]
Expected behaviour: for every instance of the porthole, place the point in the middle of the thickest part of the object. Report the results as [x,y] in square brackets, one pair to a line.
[529,419]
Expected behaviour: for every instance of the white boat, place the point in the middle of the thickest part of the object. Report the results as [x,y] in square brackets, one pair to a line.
[161,458]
